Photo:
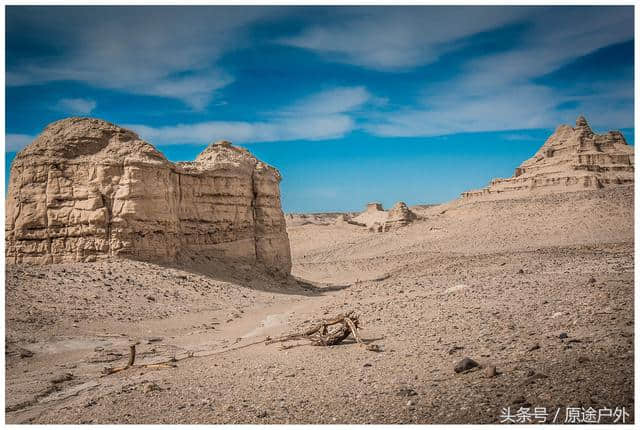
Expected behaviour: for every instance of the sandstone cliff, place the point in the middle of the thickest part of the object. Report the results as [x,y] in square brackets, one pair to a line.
[86,189]
[572,159]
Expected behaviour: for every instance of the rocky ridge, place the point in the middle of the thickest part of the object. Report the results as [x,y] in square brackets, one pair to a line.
[572,159]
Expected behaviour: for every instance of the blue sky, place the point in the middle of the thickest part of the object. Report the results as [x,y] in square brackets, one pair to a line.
[352,104]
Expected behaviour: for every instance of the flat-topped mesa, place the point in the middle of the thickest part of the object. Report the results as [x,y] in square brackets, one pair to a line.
[572,159]
[374,207]
[373,214]
[86,189]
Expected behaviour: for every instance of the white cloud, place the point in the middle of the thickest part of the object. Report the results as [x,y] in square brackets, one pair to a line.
[160,51]
[336,100]
[325,115]
[310,128]
[387,38]
[15,142]
[76,106]
[518,137]
[498,91]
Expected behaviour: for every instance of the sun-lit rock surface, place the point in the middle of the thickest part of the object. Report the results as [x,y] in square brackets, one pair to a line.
[572,159]
[86,189]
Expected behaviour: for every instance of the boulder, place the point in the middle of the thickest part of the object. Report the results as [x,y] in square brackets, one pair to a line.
[86,190]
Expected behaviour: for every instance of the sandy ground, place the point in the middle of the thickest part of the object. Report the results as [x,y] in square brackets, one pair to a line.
[541,288]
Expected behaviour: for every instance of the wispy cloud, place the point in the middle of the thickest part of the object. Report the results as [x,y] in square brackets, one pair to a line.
[321,116]
[76,106]
[332,101]
[499,91]
[388,38]
[15,142]
[178,53]
[160,51]
[519,137]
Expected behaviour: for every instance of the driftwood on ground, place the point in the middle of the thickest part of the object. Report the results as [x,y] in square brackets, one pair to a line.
[131,363]
[329,332]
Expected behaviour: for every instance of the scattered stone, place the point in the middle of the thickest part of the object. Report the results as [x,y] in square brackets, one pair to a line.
[490,371]
[534,377]
[262,414]
[592,280]
[520,272]
[563,335]
[519,400]
[25,353]
[62,377]
[454,349]
[465,364]
[407,392]
[533,347]
[149,387]
[411,403]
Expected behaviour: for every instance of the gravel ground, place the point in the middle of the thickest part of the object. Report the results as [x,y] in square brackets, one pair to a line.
[540,289]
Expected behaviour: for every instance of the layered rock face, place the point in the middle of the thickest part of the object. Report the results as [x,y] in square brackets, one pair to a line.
[86,189]
[572,159]
[399,216]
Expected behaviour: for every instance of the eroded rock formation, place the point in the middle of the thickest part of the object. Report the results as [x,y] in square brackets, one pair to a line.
[377,220]
[373,214]
[572,159]
[86,189]
[399,216]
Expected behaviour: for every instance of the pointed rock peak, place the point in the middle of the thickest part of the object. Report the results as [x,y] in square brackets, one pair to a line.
[571,159]
[401,210]
[581,122]
[224,143]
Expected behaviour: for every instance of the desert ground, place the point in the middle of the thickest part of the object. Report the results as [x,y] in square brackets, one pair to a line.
[539,287]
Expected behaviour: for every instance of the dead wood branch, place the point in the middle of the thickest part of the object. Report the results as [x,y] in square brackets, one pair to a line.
[132,358]
[132,355]
[329,332]
[131,363]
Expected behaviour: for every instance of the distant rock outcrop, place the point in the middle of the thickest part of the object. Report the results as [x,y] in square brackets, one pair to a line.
[86,189]
[399,216]
[572,159]
[377,220]
[373,213]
